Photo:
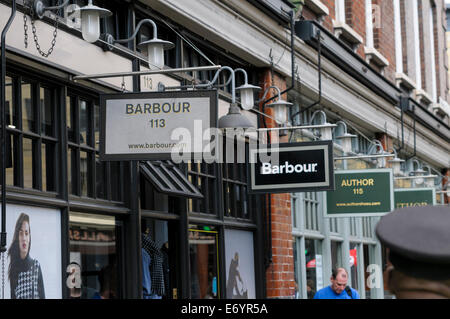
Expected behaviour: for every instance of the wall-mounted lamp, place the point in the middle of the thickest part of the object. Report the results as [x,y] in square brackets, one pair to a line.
[247,92]
[155,47]
[396,164]
[417,172]
[326,130]
[234,118]
[345,138]
[379,150]
[429,179]
[90,21]
[279,106]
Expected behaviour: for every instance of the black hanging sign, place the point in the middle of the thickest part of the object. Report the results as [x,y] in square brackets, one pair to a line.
[291,167]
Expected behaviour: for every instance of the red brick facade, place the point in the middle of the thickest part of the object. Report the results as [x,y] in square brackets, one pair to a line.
[328,22]
[355,16]
[384,36]
[280,274]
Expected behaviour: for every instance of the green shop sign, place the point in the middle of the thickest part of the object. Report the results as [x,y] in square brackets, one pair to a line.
[361,193]
[408,197]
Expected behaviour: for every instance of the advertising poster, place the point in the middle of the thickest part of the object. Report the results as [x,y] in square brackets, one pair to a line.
[240,265]
[33,258]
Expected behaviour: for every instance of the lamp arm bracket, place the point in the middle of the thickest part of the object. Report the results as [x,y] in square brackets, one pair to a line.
[245,74]
[138,27]
[267,91]
[40,8]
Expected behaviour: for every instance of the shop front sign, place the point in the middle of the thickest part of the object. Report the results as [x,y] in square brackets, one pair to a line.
[361,193]
[291,167]
[410,197]
[148,125]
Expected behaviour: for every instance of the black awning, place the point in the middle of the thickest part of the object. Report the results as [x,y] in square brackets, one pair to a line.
[168,179]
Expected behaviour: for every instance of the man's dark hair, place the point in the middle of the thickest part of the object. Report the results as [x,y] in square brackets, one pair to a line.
[444,170]
[335,272]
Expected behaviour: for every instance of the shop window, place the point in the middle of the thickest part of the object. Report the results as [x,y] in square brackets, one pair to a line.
[295,210]
[48,161]
[28,163]
[203,248]
[203,177]
[297,268]
[28,110]
[353,227]
[47,111]
[354,265]
[311,208]
[334,226]
[237,202]
[314,267]
[236,198]
[87,175]
[366,268]
[367,227]
[31,133]
[336,254]
[94,250]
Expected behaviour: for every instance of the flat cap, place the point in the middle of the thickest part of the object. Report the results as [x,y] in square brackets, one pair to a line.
[419,240]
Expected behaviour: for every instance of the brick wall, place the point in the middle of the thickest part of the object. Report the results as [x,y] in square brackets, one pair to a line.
[308,14]
[384,36]
[355,16]
[328,22]
[280,280]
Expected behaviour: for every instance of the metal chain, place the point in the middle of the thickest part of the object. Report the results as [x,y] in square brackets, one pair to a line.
[35,37]
[25,28]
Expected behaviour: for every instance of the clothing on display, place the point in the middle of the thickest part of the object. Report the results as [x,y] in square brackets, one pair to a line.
[156,272]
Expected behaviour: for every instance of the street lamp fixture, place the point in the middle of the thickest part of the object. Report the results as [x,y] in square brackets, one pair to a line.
[326,132]
[154,47]
[419,172]
[345,138]
[430,178]
[246,92]
[234,118]
[279,106]
[90,21]
[396,165]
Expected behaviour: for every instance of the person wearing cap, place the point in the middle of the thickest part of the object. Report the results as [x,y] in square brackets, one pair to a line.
[418,240]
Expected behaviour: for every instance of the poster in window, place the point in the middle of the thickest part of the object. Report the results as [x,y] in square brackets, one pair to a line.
[33,257]
[240,264]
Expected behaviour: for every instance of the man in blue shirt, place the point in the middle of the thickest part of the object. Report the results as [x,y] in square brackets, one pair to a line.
[337,289]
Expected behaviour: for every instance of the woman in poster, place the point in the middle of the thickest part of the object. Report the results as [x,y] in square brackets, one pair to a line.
[25,275]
